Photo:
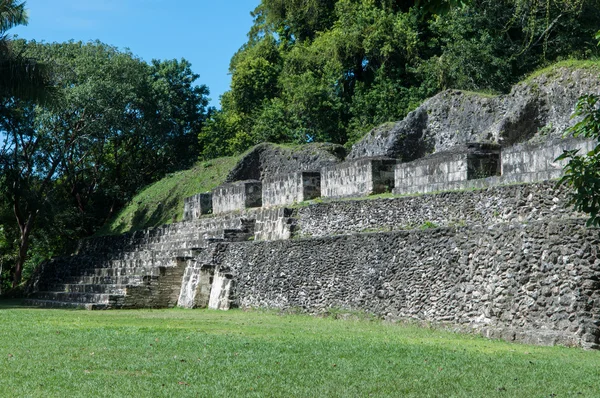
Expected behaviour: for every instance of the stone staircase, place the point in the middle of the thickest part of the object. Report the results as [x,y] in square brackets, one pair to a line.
[143,269]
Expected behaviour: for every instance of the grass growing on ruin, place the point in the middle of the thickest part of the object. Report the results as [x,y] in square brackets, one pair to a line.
[554,69]
[57,353]
[162,202]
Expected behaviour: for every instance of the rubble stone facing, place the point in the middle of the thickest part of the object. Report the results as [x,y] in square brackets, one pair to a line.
[500,204]
[536,282]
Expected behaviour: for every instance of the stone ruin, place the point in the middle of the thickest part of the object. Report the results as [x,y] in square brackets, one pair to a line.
[484,252]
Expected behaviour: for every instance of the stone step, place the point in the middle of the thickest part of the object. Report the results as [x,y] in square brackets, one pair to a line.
[65,304]
[87,288]
[108,280]
[154,254]
[75,297]
[109,272]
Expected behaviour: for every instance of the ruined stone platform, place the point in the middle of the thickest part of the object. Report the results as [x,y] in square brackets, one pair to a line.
[501,254]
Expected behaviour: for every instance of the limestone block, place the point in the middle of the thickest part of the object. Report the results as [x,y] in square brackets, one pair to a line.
[358,178]
[291,188]
[237,196]
[197,205]
[220,293]
[468,162]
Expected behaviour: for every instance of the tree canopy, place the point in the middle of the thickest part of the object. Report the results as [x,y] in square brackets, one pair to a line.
[332,70]
[116,125]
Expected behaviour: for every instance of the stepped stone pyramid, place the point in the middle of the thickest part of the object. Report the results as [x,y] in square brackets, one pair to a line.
[500,252]
[135,270]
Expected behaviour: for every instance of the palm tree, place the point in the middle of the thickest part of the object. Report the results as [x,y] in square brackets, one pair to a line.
[20,77]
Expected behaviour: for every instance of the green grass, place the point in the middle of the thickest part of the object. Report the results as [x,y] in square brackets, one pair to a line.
[162,202]
[553,70]
[166,353]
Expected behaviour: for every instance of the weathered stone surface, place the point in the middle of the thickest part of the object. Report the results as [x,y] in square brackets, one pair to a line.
[270,159]
[466,162]
[196,206]
[358,178]
[528,281]
[494,205]
[286,189]
[275,224]
[237,196]
[520,163]
[536,110]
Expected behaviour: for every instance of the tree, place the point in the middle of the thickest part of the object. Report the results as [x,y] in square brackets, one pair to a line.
[117,125]
[20,76]
[332,70]
[582,171]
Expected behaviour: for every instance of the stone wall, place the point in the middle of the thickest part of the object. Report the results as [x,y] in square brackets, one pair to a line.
[237,196]
[536,162]
[275,224]
[535,282]
[196,206]
[523,163]
[358,178]
[500,204]
[286,189]
[436,172]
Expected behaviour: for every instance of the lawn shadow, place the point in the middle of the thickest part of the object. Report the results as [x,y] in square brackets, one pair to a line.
[11,303]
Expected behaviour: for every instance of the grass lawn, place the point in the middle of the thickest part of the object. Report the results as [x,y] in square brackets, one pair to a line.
[172,353]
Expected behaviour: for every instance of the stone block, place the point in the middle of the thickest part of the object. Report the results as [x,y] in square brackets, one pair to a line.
[275,224]
[444,169]
[237,196]
[529,162]
[358,178]
[286,189]
[197,205]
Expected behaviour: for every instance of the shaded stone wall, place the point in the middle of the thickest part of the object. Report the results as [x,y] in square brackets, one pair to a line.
[524,163]
[536,162]
[535,282]
[436,172]
[358,178]
[275,224]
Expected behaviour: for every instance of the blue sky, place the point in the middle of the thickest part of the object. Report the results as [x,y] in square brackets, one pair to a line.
[205,32]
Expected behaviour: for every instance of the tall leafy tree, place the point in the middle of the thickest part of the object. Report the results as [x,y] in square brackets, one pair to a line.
[117,125]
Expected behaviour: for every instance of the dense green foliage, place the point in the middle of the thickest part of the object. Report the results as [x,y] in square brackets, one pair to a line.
[331,70]
[582,172]
[203,353]
[20,76]
[115,125]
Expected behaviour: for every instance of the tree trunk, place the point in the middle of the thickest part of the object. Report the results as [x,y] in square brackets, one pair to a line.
[23,248]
